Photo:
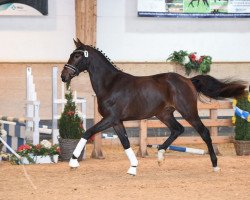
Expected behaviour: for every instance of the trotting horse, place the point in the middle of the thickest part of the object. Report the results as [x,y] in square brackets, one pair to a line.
[122,97]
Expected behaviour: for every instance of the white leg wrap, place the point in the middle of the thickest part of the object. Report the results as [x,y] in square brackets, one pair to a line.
[216,169]
[133,161]
[132,171]
[79,147]
[131,156]
[73,162]
[160,156]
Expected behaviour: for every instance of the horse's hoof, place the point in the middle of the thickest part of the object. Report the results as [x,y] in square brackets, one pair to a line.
[216,169]
[132,171]
[73,163]
[161,157]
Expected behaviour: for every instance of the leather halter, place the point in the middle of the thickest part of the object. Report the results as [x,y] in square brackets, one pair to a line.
[74,68]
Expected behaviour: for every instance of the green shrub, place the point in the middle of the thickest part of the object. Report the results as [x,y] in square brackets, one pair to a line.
[70,124]
[242,126]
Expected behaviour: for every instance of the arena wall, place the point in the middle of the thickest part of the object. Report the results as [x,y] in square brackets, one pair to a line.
[13,91]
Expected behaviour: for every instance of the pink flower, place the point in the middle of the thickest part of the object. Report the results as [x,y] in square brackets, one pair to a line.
[38,146]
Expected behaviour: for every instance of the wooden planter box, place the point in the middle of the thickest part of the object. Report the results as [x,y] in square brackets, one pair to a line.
[242,148]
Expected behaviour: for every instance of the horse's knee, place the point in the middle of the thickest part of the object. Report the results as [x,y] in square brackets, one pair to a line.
[181,130]
[86,135]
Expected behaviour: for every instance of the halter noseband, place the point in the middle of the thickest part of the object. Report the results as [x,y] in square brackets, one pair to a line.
[73,68]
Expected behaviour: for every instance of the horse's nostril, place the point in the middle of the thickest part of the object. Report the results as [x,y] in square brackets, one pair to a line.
[63,78]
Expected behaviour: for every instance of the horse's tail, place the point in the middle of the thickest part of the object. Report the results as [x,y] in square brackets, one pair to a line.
[218,89]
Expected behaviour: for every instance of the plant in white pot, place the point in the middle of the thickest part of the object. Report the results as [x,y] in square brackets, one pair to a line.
[191,62]
[70,127]
[41,153]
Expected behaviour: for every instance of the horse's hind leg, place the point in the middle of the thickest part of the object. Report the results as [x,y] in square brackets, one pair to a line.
[121,132]
[196,122]
[186,105]
[175,128]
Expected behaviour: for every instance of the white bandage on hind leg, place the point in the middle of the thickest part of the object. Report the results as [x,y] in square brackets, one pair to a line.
[79,147]
[160,155]
[131,156]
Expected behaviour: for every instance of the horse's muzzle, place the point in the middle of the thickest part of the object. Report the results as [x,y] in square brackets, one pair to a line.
[63,78]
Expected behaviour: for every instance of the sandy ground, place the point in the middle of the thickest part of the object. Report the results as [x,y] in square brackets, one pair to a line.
[183,176]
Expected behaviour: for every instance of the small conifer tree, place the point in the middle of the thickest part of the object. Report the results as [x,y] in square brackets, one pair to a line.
[70,124]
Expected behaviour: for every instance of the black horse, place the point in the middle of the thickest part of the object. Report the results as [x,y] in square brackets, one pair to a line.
[204,1]
[122,97]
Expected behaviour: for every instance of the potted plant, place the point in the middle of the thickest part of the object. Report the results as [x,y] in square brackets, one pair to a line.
[70,127]
[1,146]
[191,62]
[242,125]
[41,153]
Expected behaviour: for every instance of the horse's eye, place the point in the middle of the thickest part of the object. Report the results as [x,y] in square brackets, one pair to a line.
[77,55]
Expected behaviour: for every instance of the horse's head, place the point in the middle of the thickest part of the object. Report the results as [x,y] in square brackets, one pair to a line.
[77,63]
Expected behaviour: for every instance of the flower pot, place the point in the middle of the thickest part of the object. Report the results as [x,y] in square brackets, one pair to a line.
[41,159]
[242,147]
[67,147]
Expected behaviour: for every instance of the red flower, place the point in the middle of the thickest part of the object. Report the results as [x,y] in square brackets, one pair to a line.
[192,57]
[58,150]
[70,113]
[200,59]
[81,126]
[23,147]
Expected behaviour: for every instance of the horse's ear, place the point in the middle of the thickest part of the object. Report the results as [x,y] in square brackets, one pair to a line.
[77,43]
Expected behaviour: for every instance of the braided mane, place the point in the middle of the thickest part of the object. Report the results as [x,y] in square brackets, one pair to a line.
[103,54]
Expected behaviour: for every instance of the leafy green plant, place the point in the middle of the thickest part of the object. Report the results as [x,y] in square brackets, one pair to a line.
[70,124]
[191,62]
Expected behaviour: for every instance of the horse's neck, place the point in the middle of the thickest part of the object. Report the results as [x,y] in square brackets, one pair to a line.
[101,75]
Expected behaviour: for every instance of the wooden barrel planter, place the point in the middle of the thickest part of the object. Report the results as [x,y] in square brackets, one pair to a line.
[67,147]
[242,148]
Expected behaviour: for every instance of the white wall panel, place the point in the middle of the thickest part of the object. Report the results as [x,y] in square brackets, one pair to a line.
[45,38]
[126,37]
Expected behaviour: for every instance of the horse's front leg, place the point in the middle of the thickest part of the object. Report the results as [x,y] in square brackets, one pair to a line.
[121,132]
[100,126]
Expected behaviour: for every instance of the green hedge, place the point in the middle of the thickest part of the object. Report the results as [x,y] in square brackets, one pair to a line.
[242,126]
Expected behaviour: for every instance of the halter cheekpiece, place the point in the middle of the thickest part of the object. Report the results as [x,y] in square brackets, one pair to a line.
[73,68]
